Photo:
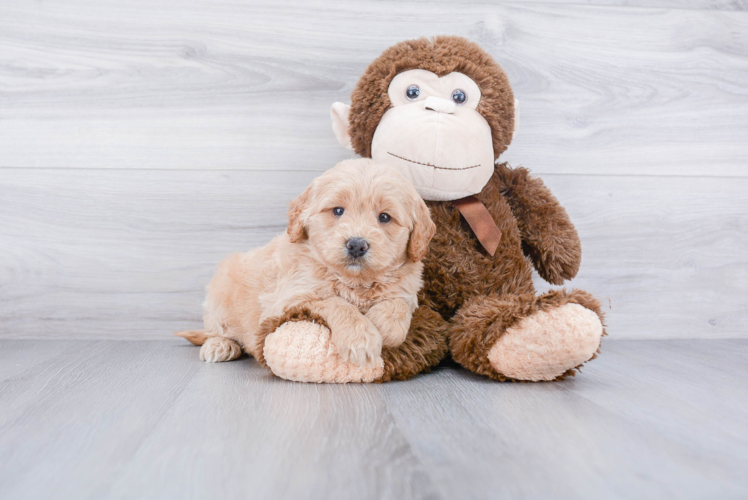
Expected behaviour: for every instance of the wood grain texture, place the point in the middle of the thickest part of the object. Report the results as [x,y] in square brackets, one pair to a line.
[734,5]
[140,143]
[112,419]
[127,254]
[107,250]
[248,85]
[640,414]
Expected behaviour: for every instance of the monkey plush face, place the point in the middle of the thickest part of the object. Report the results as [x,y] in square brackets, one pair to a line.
[439,110]
[434,135]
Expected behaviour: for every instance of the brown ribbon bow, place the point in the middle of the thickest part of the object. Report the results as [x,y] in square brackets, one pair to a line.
[477,216]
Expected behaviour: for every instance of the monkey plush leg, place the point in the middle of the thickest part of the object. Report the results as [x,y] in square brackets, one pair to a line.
[301,351]
[424,347]
[524,337]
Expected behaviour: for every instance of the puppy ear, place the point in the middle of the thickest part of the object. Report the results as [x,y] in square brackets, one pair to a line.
[296,230]
[423,230]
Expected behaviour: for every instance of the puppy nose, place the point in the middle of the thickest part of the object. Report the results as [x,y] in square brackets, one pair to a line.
[439,105]
[357,247]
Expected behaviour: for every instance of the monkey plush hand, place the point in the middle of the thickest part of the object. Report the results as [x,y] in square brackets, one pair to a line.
[441,110]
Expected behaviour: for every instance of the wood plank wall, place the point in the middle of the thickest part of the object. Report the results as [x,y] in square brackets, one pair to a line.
[142,141]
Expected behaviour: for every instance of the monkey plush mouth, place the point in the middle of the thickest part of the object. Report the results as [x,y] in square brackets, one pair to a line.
[433,166]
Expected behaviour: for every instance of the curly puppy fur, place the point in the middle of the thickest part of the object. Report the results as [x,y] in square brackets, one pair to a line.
[366,300]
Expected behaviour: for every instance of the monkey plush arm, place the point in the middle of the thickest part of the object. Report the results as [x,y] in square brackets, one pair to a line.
[548,236]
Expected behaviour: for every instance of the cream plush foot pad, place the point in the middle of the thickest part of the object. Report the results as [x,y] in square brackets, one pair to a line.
[301,351]
[546,344]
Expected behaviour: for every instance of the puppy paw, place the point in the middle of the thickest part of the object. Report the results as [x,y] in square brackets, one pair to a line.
[392,329]
[218,349]
[359,342]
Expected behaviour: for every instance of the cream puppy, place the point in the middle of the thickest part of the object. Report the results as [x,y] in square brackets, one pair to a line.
[351,255]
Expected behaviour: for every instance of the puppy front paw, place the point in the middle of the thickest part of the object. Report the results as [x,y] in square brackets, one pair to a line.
[218,349]
[359,342]
[392,321]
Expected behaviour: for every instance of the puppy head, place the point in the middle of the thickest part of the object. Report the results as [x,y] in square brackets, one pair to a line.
[362,217]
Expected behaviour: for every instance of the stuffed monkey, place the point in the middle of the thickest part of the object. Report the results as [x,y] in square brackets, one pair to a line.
[441,110]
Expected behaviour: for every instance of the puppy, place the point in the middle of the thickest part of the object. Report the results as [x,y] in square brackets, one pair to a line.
[351,255]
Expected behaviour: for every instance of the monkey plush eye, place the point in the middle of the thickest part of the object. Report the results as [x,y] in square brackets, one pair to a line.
[459,96]
[413,92]
[384,218]
[338,211]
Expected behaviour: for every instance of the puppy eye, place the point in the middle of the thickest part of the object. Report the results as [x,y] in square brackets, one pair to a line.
[459,96]
[384,218]
[338,211]
[413,92]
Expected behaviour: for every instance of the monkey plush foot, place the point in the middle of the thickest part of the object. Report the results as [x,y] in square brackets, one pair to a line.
[301,351]
[298,348]
[545,345]
[523,337]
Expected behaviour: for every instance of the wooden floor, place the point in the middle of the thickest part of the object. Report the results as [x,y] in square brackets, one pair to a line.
[132,419]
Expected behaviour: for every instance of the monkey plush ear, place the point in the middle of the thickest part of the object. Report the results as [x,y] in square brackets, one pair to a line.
[296,216]
[339,113]
[423,230]
[516,118]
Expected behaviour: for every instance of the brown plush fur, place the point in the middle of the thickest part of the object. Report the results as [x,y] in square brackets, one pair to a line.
[470,298]
[548,236]
[484,295]
[493,314]
[424,347]
[440,55]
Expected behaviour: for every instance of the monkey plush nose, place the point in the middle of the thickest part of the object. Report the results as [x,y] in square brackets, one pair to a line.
[357,247]
[439,105]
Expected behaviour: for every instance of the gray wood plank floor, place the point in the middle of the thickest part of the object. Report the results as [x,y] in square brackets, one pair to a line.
[124,419]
